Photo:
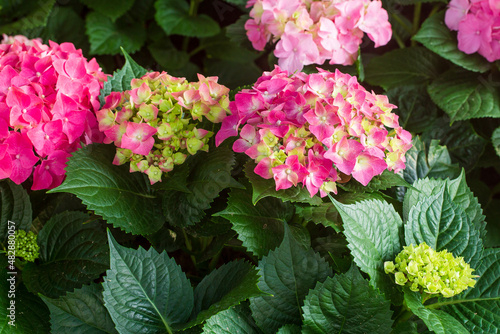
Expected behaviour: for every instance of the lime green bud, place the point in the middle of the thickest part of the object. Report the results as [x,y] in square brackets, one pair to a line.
[389,267]
[26,245]
[432,272]
[400,278]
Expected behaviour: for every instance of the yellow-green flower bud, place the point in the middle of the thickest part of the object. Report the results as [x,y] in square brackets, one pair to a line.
[426,270]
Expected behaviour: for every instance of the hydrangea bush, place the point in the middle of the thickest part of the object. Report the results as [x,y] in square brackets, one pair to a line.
[279,200]
[48,98]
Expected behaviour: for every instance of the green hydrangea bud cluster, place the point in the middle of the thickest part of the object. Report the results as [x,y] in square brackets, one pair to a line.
[157,123]
[26,245]
[425,270]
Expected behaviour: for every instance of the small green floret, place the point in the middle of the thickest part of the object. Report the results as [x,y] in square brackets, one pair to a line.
[26,245]
[425,270]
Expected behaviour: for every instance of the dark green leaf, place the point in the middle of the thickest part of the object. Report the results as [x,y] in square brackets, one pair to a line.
[36,17]
[175,18]
[144,291]
[404,67]
[495,139]
[325,214]
[408,327]
[231,321]
[478,308]
[432,162]
[383,181]
[80,311]
[288,273]
[289,329]
[112,191]
[263,188]
[260,227]
[29,313]
[443,224]
[111,8]
[221,47]
[207,174]
[464,144]
[232,73]
[16,207]
[437,321]
[223,288]
[73,252]
[437,37]
[64,25]
[120,81]
[416,110]
[457,189]
[465,95]
[174,61]
[106,37]
[372,229]
[346,303]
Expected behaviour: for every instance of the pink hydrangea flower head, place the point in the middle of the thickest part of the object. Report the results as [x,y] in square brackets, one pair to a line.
[157,124]
[48,99]
[325,140]
[311,32]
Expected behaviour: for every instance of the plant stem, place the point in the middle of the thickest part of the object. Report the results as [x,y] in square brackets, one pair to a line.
[459,301]
[416,20]
[189,246]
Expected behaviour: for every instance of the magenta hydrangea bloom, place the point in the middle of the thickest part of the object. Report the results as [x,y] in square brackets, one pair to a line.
[48,98]
[315,130]
[478,26]
[311,32]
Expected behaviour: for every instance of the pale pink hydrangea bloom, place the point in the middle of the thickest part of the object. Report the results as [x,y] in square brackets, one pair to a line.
[48,98]
[478,26]
[316,130]
[311,32]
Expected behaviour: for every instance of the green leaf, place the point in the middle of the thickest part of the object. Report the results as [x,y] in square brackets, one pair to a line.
[495,139]
[145,291]
[443,224]
[459,193]
[31,314]
[289,329]
[383,181]
[120,81]
[234,320]
[221,47]
[465,95]
[404,67]
[206,175]
[80,311]
[263,188]
[372,229]
[408,327]
[478,308]
[106,37]
[346,303]
[326,214]
[464,144]
[223,288]
[73,252]
[232,73]
[175,18]
[36,17]
[111,8]
[432,162]
[437,321]
[16,207]
[64,24]
[111,191]
[260,227]
[174,61]
[288,273]
[416,110]
[437,37]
